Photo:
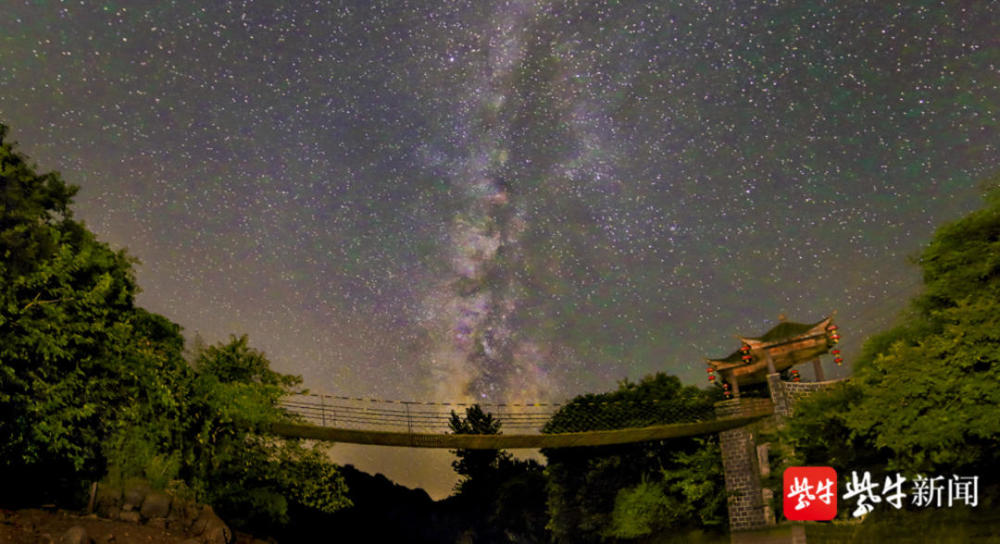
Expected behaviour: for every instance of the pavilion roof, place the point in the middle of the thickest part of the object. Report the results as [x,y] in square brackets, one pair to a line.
[785,331]
[734,357]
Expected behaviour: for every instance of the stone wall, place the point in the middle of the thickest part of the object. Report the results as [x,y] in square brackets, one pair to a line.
[741,467]
[795,392]
[741,455]
[137,502]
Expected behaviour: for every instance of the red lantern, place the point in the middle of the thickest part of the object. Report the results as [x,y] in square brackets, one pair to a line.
[838,360]
[835,352]
[725,390]
[746,358]
[832,327]
[745,348]
[795,375]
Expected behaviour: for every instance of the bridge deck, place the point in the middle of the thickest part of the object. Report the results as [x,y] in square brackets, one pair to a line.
[509,441]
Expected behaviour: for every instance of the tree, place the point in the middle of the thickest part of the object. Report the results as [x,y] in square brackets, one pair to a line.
[634,490]
[234,463]
[66,319]
[479,468]
[93,386]
[500,495]
[147,438]
[922,400]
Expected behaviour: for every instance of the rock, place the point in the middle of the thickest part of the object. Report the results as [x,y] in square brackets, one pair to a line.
[191,541]
[135,493]
[131,517]
[211,528]
[217,533]
[157,523]
[182,514]
[155,505]
[204,519]
[75,535]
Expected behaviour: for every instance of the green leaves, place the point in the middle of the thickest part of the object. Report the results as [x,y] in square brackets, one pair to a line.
[930,401]
[596,493]
[247,474]
[65,302]
[91,385]
[641,510]
[924,396]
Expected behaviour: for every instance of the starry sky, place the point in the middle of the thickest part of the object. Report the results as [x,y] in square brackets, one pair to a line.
[509,200]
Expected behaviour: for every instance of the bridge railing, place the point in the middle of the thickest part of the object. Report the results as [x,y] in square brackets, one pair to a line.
[515,418]
[411,416]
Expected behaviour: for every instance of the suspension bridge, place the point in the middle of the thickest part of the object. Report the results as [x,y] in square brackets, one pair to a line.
[523,425]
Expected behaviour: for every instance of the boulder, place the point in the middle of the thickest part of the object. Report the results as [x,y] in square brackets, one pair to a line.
[155,505]
[135,493]
[75,535]
[211,528]
[204,519]
[130,517]
[108,501]
[183,513]
[217,533]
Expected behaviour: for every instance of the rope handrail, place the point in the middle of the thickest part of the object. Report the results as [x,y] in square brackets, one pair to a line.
[364,415]
[510,441]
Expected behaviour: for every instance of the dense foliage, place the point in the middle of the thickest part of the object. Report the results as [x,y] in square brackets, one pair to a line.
[502,497]
[71,345]
[923,399]
[92,386]
[634,490]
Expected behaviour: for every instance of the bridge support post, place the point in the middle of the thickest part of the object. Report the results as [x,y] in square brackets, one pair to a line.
[742,473]
[322,410]
[409,422]
[782,404]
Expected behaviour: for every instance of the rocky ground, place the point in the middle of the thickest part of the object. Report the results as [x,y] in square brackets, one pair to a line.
[33,526]
[37,526]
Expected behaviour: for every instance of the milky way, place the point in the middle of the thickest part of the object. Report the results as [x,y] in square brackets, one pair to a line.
[482,355]
[507,200]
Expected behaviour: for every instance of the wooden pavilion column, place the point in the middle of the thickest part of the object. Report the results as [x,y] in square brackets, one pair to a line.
[818,369]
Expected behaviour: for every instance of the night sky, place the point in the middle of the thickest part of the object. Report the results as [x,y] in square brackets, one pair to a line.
[509,200]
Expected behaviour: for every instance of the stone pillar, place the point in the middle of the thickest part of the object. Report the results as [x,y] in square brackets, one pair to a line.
[779,397]
[767,496]
[742,472]
[762,458]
